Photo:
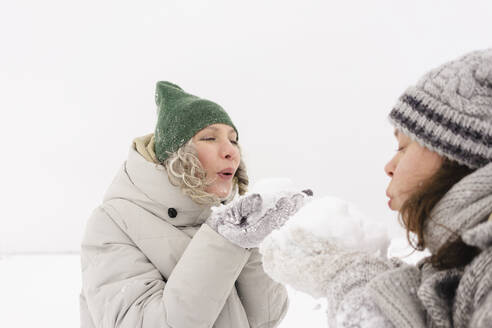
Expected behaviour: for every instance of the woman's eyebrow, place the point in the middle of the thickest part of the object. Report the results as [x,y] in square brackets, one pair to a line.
[231,131]
[396,133]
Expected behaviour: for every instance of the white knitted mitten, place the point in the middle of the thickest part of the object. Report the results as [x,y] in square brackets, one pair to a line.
[323,264]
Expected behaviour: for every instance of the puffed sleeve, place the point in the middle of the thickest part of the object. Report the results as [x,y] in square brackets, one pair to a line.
[122,288]
[265,300]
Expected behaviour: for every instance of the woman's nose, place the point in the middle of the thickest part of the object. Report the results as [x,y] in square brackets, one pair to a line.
[389,168]
[228,150]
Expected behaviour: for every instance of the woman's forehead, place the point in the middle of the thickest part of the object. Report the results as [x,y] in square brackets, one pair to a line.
[399,135]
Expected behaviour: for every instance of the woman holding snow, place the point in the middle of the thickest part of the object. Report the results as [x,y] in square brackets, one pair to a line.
[441,185]
[155,255]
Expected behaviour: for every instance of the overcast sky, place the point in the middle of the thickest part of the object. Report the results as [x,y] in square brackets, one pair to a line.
[309,85]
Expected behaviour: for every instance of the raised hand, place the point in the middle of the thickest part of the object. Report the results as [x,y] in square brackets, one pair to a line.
[249,219]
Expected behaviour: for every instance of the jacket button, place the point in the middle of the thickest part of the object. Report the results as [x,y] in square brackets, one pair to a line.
[172,213]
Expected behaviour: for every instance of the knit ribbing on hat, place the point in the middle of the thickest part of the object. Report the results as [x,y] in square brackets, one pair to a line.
[449,111]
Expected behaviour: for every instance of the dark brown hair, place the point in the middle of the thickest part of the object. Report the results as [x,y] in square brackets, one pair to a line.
[417,209]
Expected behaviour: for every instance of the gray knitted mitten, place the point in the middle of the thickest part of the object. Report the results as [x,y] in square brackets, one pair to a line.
[358,310]
[248,220]
[320,268]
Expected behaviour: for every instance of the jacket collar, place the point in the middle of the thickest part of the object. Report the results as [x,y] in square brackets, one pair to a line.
[147,185]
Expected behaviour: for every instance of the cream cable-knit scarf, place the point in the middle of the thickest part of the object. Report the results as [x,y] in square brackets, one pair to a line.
[468,203]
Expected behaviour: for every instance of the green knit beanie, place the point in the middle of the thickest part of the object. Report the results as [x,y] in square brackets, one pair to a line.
[180,116]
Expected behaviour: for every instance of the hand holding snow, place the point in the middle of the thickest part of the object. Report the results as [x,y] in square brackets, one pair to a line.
[234,212]
[326,249]
[339,222]
[247,220]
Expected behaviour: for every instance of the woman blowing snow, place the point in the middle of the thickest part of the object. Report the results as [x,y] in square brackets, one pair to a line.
[155,255]
[441,185]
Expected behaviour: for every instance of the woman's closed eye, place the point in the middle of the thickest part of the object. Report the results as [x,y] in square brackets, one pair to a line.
[234,142]
[401,147]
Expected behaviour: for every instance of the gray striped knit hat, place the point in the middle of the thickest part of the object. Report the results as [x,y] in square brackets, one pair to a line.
[449,111]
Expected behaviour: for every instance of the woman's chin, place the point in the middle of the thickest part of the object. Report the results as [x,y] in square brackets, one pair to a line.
[394,204]
[221,191]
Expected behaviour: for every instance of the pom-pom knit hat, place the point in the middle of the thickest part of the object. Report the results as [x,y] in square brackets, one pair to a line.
[449,111]
[180,116]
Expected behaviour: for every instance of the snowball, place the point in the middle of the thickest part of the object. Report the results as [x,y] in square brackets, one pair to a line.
[336,220]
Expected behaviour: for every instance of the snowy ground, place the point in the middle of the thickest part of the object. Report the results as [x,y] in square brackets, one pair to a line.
[39,291]
[42,291]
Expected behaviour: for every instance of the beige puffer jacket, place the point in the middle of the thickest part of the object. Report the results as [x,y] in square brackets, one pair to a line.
[149,261]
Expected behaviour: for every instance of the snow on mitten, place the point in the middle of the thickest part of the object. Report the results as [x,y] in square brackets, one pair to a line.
[316,266]
[326,250]
[241,207]
[247,220]
[339,222]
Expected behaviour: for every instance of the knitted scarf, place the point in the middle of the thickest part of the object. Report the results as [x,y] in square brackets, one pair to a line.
[465,205]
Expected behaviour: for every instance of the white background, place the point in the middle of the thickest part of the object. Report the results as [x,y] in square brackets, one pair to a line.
[308,83]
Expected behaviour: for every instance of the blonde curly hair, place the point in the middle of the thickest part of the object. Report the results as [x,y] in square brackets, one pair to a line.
[185,171]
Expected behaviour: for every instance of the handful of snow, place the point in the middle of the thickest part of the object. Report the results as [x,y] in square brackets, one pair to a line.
[271,190]
[330,218]
[339,222]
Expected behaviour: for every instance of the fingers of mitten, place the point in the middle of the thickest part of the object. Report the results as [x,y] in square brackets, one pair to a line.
[308,192]
[240,209]
[233,215]
[280,218]
[223,213]
[285,207]
[298,201]
[251,204]
[292,203]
